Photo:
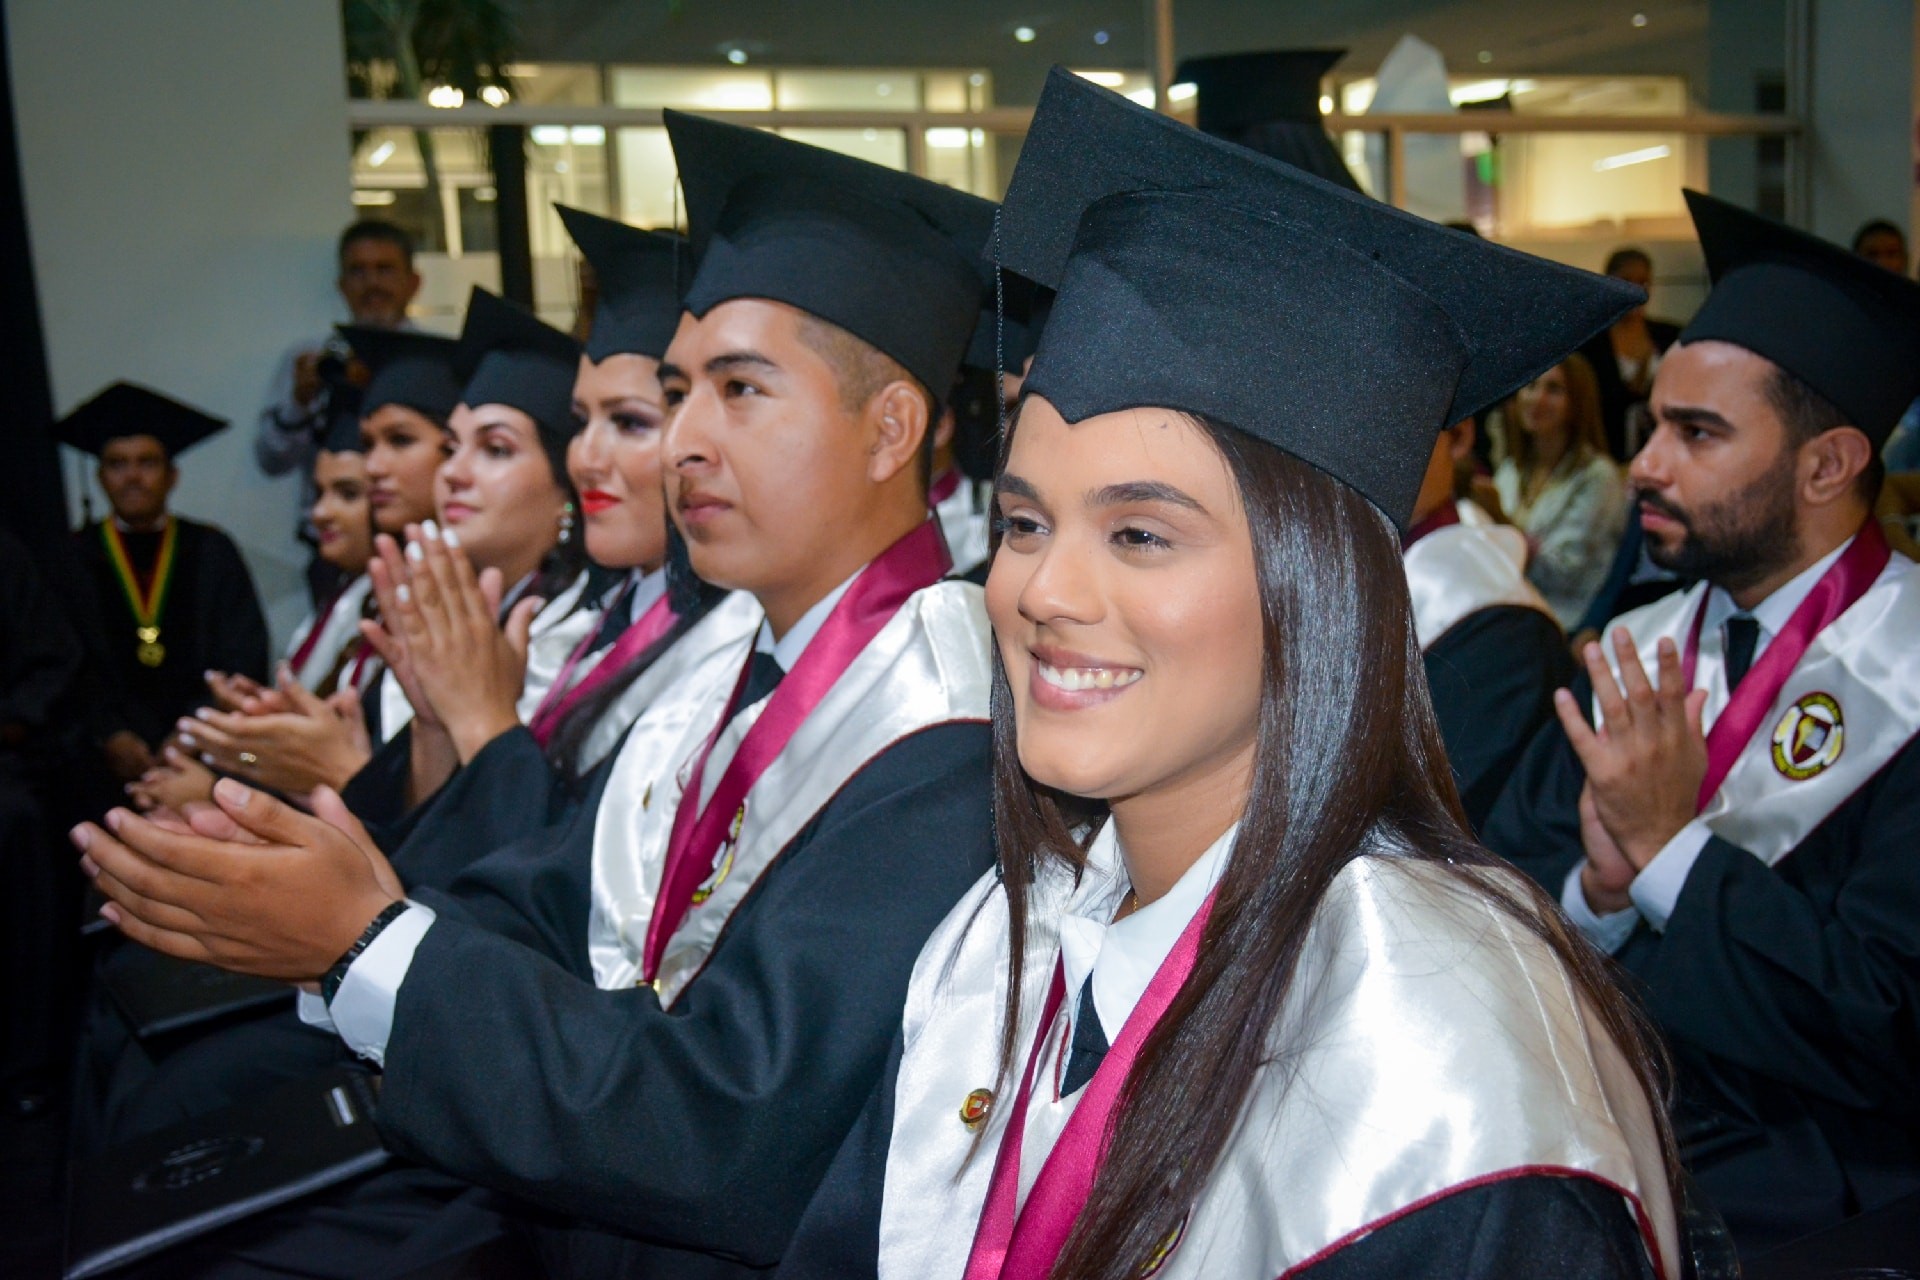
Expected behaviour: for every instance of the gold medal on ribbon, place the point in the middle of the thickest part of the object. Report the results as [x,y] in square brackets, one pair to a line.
[146,605]
[150,652]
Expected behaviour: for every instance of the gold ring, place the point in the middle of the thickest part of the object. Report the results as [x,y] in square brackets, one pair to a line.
[249,759]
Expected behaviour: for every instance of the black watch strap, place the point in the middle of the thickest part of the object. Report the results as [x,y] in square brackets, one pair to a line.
[331,980]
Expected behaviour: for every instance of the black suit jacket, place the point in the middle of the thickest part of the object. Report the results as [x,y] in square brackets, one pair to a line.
[1790,995]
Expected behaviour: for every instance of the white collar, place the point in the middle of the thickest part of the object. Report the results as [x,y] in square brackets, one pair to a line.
[1123,956]
[647,588]
[788,649]
[1773,612]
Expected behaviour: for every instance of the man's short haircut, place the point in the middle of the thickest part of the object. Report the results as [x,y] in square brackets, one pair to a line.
[861,370]
[1807,414]
[1877,227]
[1622,256]
[375,229]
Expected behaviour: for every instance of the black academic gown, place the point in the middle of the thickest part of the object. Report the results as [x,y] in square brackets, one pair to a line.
[1789,995]
[1566,1228]
[696,1135]
[211,620]
[1492,677]
[39,746]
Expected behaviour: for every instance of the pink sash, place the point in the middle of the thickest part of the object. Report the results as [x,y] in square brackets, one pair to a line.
[312,638]
[1838,590]
[916,561]
[1023,1244]
[634,641]
[945,487]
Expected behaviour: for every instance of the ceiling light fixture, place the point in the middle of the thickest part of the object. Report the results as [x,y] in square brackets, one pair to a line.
[1024,35]
[738,57]
[1626,158]
[381,154]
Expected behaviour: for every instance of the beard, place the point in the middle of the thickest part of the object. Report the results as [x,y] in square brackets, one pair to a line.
[1737,542]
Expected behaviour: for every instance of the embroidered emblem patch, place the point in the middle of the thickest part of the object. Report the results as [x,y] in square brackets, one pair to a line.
[1809,737]
[725,867]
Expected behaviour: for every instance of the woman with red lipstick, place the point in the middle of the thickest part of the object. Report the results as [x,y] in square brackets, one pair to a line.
[277,736]
[516,776]
[1264,1008]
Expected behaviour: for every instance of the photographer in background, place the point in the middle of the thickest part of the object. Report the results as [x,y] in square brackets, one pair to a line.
[317,378]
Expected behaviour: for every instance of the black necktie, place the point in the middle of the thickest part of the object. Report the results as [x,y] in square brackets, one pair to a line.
[613,623]
[1743,633]
[1089,1043]
[762,675]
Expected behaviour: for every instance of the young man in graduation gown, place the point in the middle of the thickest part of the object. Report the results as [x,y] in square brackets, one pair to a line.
[1740,830]
[727,938]
[1494,653]
[168,598]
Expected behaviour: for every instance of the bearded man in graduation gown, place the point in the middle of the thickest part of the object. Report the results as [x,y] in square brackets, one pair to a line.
[1739,829]
[167,599]
[1493,651]
[664,1021]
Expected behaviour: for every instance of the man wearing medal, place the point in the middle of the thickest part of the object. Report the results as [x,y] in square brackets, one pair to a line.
[171,598]
[1731,800]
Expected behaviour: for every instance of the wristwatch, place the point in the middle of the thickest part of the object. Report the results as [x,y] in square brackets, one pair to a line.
[330,981]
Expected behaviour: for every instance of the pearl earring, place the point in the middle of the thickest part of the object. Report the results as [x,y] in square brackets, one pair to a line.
[566,524]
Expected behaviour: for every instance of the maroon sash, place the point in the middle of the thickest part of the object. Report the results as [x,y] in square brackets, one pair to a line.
[1023,1244]
[1838,590]
[916,561]
[634,641]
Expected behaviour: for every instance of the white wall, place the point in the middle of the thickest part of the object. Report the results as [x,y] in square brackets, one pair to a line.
[1860,113]
[186,172]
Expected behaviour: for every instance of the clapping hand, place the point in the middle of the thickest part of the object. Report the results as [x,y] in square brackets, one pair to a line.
[1644,763]
[439,633]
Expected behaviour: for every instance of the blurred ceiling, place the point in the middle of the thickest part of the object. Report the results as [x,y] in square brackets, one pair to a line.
[1615,37]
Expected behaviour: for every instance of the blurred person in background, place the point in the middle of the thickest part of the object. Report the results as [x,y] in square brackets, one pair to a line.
[1557,483]
[314,380]
[1625,357]
[170,598]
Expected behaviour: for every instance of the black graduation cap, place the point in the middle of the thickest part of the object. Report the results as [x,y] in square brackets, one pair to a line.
[510,356]
[408,368]
[1193,274]
[1270,102]
[1008,330]
[639,276]
[128,409]
[340,430]
[1846,327]
[891,258]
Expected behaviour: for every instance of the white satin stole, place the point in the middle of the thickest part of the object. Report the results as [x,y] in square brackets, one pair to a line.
[928,665]
[1865,666]
[1430,1042]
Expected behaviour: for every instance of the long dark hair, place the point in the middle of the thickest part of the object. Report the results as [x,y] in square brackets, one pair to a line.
[692,598]
[1348,759]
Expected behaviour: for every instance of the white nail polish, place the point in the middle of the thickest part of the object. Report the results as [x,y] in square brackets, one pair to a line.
[187,741]
[414,553]
[431,529]
[403,593]
[453,538]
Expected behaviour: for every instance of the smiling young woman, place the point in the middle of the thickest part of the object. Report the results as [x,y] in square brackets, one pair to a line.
[1264,1007]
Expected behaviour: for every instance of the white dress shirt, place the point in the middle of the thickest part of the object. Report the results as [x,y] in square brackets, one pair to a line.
[1120,957]
[1656,890]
